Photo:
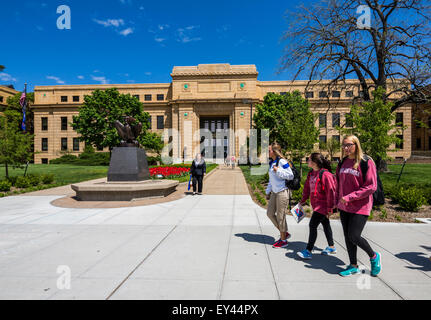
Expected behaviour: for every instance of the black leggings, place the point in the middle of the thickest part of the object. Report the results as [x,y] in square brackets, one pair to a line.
[315,220]
[353,224]
[198,179]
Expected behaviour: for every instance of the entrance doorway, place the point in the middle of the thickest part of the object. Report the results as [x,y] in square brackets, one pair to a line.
[215,137]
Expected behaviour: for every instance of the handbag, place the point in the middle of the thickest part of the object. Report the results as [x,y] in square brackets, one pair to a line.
[188,187]
[298,213]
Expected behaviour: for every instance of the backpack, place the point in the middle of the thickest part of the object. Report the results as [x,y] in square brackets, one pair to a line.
[378,195]
[295,183]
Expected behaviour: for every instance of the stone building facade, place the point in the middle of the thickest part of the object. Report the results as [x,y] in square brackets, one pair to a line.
[207,96]
[5,92]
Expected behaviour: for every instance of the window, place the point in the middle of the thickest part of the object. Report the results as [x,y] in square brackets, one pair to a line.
[136,96]
[349,120]
[323,94]
[75,98]
[75,144]
[335,120]
[44,160]
[418,123]
[63,98]
[64,144]
[309,94]
[322,140]
[400,145]
[399,119]
[349,94]
[44,144]
[160,122]
[44,124]
[160,97]
[336,94]
[149,122]
[336,138]
[322,120]
[1,98]
[418,143]
[63,123]
[147,97]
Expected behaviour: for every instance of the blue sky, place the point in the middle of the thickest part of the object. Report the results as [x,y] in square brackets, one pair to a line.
[136,41]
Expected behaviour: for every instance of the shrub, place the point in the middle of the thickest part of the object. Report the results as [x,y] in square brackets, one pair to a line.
[152,161]
[47,178]
[85,159]
[297,194]
[65,159]
[411,199]
[12,180]
[5,185]
[383,214]
[33,179]
[22,182]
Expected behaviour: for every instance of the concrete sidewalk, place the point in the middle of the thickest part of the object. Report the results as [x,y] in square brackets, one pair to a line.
[213,246]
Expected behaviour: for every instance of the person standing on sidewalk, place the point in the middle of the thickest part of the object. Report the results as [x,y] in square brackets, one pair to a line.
[355,201]
[278,193]
[198,170]
[320,187]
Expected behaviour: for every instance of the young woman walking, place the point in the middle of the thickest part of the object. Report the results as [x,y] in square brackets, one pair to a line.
[278,193]
[355,201]
[320,187]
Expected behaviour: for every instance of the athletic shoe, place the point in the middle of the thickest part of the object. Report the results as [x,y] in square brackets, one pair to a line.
[376,265]
[288,235]
[329,250]
[280,244]
[305,254]
[349,271]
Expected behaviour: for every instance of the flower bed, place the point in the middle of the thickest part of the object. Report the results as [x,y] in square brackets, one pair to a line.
[169,172]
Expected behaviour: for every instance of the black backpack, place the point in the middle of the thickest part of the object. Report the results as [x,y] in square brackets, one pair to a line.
[295,183]
[379,194]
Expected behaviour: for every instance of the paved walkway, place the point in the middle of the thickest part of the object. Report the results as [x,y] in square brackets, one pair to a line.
[214,246]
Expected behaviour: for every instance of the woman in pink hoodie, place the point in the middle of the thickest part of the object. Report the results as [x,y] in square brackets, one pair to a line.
[355,201]
[320,187]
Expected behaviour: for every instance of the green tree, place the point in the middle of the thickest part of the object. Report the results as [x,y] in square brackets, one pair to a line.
[95,122]
[15,145]
[373,123]
[290,122]
[152,141]
[332,146]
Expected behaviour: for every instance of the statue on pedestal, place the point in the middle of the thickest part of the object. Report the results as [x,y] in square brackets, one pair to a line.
[128,132]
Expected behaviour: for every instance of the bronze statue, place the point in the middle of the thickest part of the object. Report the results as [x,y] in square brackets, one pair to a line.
[128,132]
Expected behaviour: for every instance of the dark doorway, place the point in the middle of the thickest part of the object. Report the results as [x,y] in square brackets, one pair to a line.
[218,143]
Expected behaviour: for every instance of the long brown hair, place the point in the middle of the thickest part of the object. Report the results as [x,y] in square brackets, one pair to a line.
[276,148]
[321,161]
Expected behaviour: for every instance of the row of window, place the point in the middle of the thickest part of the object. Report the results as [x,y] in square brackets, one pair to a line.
[324,94]
[335,120]
[44,120]
[147,97]
[63,144]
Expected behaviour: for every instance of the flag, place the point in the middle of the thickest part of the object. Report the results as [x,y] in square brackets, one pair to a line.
[23,103]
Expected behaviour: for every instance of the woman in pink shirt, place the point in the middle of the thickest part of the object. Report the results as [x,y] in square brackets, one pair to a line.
[320,187]
[355,201]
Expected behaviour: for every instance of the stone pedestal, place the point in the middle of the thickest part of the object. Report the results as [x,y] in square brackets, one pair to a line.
[128,164]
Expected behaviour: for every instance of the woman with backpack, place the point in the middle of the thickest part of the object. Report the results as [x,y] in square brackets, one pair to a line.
[355,201]
[321,188]
[278,193]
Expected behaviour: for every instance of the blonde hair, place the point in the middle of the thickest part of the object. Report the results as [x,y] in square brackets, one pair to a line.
[359,154]
[276,148]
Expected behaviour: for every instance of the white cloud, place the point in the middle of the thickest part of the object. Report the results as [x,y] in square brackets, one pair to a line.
[163,26]
[102,80]
[56,79]
[126,32]
[6,77]
[148,73]
[159,39]
[110,22]
[183,35]
[80,77]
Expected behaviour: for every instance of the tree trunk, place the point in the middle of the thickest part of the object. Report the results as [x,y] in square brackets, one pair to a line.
[381,165]
[7,170]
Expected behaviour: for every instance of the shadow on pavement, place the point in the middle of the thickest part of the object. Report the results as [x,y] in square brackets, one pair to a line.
[418,258]
[260,238]
[330,263]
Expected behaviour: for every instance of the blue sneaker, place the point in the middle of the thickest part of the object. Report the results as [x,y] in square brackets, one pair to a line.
[305,254]
[376,265]
[349,271]
[329,250]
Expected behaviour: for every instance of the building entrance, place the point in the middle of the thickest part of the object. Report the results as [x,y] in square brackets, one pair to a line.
[214,133]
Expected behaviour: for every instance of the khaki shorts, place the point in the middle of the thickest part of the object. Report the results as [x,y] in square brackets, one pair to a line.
[277,208]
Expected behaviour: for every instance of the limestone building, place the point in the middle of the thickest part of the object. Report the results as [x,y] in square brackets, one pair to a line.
[5,92]
[207,96]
